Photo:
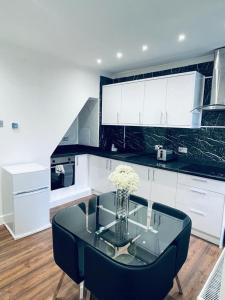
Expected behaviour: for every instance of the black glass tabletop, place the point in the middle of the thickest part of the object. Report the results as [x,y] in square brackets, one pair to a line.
[136,240]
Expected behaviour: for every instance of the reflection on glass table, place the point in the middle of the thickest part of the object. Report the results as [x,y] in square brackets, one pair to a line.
[137,240]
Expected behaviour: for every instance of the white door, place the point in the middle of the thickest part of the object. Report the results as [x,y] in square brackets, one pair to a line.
[111,104]
[179,100]
[81,171]
[164,187]
[132,103]
[154,102]
[99,173]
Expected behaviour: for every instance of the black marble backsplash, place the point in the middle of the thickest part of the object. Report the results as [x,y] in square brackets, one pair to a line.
[205,144]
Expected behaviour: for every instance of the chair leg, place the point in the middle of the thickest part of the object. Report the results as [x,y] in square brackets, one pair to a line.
[58,286]
[179,285]
[81,286]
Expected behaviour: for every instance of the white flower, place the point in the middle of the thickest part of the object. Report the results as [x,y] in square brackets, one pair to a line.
[125,178]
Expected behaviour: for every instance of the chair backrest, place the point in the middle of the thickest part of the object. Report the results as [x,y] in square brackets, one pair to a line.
[139,200]
[183,239]
[67,251]
[111,280]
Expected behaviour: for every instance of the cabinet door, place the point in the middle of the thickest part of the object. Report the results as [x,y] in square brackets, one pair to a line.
[179,100]
[204,207]
[154,102]
[81,171]
[164,184]
[111,104]
[145,175]
[132,103]
[99,173]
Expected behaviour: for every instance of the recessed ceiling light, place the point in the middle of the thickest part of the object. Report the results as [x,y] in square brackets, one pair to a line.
[99,61]
[181,37]
[119,55]
[144,48]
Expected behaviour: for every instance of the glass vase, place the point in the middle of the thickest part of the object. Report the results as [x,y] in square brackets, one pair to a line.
[122,204]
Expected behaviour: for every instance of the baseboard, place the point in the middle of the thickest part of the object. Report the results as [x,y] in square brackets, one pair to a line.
[58,198]
[1,220]
[20,236]
[206,237]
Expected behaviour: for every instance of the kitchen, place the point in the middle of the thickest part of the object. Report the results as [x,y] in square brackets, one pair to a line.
[177,149]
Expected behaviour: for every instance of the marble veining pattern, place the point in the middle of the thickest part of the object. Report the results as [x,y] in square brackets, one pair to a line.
[204,144]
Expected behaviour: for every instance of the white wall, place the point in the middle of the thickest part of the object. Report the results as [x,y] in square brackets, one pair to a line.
[44,95]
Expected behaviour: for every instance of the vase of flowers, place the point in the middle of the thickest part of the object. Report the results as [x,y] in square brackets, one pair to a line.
[126,181]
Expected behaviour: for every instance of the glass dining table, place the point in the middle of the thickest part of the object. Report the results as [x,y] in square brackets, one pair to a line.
[137,240]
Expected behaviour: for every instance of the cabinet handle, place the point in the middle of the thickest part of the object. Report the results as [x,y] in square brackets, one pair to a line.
[197,212]
[110,164]
[166,117]
[153,177]
[161,117]
[199,179]
[77,161]
[198,191]
[106,164]
[117,115]
[148,175]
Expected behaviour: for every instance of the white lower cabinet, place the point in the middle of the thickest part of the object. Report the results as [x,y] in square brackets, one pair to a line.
[164,184]
[99,170]
[205,208]
[145,175]
[201,198]
[81,171]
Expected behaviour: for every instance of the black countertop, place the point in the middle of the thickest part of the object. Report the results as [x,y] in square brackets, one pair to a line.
[197,168]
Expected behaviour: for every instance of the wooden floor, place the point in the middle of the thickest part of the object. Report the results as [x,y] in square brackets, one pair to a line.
[28,271]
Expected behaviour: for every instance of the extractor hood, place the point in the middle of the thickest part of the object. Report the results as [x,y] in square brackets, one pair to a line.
[217,101]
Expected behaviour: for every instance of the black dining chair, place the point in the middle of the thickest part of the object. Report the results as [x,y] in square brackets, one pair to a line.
[68,255]
[139,200]
[182,240]
[108,279]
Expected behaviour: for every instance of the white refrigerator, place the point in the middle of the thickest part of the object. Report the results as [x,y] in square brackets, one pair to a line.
[25,193]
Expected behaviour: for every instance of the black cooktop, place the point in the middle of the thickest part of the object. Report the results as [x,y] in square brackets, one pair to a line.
[213,171]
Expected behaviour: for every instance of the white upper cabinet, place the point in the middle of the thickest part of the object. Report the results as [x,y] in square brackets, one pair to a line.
[132,103]
[181,98]
[154,102]
[166,101]
[111,104]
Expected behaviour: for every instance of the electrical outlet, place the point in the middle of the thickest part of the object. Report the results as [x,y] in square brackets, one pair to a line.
[182,150]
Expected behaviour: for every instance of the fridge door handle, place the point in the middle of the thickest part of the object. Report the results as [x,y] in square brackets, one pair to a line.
[35,191]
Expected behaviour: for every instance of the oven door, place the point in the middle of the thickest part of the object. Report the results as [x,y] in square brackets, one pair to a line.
[64,178]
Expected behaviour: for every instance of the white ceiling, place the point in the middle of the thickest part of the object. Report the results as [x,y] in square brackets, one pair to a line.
[81,31]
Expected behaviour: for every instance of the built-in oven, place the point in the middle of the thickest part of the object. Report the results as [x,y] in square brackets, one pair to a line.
[62,172]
